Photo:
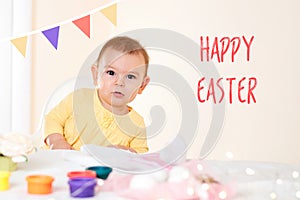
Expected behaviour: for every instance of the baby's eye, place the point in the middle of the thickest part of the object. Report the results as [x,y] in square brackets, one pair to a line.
[110,72]
[130,76]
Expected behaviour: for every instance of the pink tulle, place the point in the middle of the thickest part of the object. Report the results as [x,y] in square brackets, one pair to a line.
[198,185]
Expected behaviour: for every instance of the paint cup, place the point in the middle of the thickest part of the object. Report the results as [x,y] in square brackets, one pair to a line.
[82,187]
[39,184]
[4,180]
[82,174]
[6,164]
[101,171]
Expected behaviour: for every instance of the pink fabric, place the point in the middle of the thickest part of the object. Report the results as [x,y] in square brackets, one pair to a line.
[187,188]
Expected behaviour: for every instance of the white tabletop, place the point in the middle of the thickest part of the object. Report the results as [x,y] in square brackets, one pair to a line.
[56,164]
[253,180]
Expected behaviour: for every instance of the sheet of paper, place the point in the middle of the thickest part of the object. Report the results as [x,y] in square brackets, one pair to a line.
[125,161]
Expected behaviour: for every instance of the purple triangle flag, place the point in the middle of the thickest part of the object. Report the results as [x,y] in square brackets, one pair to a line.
[52,35]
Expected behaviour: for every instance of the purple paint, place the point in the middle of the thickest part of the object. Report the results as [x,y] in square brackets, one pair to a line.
[82,187]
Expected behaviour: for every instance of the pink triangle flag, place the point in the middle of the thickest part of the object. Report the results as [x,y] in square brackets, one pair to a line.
[52,35]
[83,24]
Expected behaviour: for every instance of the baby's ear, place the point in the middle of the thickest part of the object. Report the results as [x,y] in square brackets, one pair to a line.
[94,70]
[144,84]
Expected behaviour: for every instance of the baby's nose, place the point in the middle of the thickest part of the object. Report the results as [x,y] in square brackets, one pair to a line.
[120,80]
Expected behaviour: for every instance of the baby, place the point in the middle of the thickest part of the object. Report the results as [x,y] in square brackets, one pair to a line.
[102,116]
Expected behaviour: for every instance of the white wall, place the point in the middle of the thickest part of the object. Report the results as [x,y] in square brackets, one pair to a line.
[21,69]
[15,70]
[5,70]
[265,131]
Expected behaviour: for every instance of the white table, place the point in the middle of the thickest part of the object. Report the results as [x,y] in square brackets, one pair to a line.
[54,163]
[254,180]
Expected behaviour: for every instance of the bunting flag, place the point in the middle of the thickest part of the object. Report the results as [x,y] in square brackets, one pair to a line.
[20,44]
[111,13]
[52,35]
[84,25]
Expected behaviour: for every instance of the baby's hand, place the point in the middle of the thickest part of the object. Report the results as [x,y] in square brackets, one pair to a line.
[62,144]
[123,148]
[57,141]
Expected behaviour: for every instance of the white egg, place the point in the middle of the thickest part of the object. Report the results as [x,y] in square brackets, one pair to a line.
[178,174]
[159,176]
[142,182]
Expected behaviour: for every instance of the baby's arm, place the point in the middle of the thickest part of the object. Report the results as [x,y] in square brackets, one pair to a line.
[139,140]
[57,141]
[54,123]
[139,143]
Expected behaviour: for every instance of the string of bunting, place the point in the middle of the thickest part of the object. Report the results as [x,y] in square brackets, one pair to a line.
[52,34]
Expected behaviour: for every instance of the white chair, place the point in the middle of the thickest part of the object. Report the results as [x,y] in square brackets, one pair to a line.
[56,96]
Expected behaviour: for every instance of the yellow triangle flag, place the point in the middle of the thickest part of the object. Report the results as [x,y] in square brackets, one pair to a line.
[20,44]
[111,13]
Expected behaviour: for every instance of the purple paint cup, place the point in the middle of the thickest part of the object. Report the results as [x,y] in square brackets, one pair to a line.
[82,187]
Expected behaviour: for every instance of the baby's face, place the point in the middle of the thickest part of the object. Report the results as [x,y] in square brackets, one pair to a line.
[121,79]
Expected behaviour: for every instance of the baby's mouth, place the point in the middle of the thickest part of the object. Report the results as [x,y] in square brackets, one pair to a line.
[118,94]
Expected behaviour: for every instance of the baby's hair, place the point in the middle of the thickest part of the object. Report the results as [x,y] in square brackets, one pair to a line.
[125,45]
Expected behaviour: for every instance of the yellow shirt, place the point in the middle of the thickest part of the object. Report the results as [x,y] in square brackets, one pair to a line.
[81,119]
